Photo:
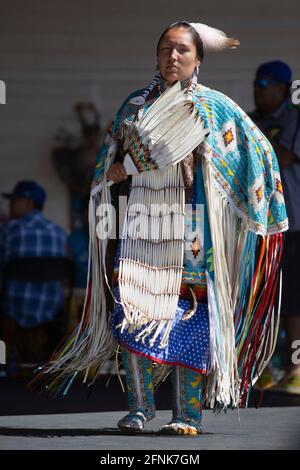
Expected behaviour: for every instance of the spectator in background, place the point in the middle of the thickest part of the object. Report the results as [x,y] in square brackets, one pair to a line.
[28,306]
[279,119]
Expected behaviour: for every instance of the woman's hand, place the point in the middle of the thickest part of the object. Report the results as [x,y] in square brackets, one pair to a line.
[116,173]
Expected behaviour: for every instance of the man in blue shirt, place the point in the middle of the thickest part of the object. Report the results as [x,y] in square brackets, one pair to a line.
[279,119]
[29,305]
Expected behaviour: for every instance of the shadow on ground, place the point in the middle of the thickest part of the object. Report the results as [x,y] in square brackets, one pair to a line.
[16,399]
[80,432]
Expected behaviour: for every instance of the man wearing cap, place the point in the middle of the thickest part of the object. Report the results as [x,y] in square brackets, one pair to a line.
[26,305]
[279,119]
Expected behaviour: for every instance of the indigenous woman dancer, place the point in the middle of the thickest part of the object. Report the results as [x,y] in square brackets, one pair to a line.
[195,289]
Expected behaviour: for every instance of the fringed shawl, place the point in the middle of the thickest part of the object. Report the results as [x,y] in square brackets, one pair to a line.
[247,216]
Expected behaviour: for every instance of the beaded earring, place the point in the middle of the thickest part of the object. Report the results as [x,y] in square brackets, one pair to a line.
[193,84]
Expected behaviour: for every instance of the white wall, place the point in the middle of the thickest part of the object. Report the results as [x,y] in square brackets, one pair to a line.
[55,53]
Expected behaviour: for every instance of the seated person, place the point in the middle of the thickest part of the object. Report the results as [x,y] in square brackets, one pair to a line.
[28,306]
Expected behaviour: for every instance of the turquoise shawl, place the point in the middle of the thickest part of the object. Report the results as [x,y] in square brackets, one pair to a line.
[246,217]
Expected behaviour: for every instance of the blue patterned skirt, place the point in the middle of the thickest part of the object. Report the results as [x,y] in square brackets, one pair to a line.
[188,342]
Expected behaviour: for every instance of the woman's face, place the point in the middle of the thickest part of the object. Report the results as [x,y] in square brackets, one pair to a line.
[177,55]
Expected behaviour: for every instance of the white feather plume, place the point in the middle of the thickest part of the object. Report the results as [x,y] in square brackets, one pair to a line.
[213,39]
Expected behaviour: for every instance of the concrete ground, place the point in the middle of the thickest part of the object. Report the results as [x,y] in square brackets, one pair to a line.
[264,428]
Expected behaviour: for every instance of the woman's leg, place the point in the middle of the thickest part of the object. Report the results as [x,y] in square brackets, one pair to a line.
[139,379]
[186,402]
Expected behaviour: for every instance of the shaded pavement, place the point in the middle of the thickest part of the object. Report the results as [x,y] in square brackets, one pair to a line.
[82,420]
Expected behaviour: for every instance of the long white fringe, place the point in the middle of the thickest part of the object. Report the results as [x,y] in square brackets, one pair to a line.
[152,250]
[223,380]
[94,343]
[229,230]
